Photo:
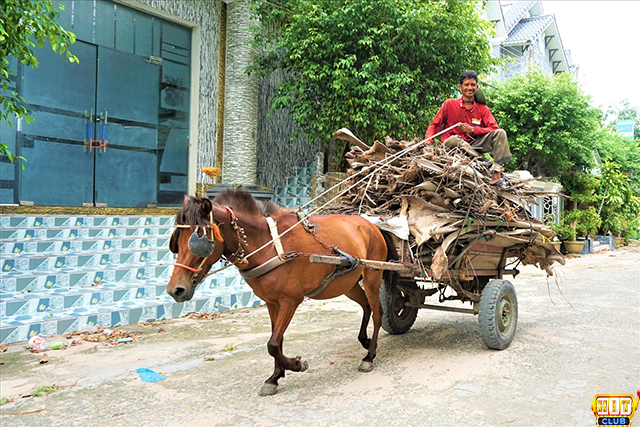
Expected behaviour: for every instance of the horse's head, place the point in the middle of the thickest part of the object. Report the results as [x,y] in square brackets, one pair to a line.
[199,244]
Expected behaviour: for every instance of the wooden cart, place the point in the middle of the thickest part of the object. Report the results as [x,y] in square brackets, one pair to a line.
[474,272]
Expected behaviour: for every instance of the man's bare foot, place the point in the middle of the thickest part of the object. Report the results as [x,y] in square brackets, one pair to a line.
[496,177]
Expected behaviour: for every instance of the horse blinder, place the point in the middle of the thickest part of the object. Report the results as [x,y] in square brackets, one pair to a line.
[173,242]
[200,246]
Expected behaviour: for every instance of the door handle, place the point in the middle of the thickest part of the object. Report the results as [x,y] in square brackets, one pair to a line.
[104,133]
[100,143]
[89,136]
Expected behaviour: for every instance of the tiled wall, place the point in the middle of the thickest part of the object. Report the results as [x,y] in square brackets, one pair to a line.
[60,274]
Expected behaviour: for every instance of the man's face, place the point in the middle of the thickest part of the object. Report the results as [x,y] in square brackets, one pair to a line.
[468,87]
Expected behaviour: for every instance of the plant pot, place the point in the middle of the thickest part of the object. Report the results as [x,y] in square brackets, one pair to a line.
[558,245]
[619,242]
[574,247]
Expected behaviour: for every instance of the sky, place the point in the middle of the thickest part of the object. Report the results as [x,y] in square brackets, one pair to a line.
[603,37]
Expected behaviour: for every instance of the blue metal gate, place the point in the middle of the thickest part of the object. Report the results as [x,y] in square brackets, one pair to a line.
[113,129]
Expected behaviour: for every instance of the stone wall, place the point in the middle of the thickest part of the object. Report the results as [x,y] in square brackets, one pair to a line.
[278,154]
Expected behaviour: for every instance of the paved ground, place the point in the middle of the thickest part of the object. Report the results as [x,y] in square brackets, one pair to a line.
[569,346]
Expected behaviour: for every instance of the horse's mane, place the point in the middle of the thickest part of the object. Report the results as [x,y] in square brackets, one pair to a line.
[243,201]
[238,200]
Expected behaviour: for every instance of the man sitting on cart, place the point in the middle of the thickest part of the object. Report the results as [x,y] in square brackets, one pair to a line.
[478,132]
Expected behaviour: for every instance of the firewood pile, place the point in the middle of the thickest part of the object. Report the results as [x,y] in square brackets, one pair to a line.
[448,201]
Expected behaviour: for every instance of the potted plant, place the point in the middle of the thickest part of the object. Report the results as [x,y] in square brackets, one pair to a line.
[566,231]
[587,225]
[550,221]
[619,204]
[581,217]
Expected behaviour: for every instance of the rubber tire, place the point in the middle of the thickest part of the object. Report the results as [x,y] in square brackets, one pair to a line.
[396,321]
[498,314]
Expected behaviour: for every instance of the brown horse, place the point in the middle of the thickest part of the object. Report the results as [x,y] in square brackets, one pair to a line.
[236,224]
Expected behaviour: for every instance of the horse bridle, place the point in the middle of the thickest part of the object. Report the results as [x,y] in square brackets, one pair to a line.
[237,258]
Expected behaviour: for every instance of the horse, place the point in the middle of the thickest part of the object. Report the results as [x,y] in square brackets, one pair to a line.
[235,223]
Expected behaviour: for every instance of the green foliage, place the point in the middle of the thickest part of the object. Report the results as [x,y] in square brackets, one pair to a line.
[377,67]
[577,223]
[564,231]
[625,153]
[549,120]
[229,347]
[581,219]
[25,24]
[581,186]
[620,206]
[588,221]
[45,389]
[5,152]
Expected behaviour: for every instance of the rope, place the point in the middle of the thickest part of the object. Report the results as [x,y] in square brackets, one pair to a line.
[384,162]
[380,164]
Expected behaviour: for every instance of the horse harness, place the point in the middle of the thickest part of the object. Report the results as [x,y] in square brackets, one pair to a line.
[348,263]
[203,246]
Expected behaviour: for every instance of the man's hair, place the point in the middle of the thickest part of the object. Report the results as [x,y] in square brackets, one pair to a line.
[468,75]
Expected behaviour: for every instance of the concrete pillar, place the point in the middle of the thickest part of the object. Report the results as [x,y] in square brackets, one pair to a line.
[239,159]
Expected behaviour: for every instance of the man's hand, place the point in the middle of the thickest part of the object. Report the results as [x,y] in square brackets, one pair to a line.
[466,128]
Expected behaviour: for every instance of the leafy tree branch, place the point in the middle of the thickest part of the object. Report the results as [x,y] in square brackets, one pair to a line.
[25,24]
[377,67]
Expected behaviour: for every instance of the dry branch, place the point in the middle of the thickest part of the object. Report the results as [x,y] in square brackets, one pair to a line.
[448,201]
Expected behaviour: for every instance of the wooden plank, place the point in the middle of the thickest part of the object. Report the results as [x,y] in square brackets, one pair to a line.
[391,266]
[484,247]
[478,273]
[376,265]
[325,259]
[403,268]
[481,262]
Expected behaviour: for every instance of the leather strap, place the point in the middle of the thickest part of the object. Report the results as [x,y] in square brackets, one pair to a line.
[347,265]
[272,264]
[273,228]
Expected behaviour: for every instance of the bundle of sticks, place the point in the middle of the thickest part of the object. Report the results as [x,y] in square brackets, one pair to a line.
[447,198]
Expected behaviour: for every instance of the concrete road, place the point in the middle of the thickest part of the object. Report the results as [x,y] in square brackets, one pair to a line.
[575,339]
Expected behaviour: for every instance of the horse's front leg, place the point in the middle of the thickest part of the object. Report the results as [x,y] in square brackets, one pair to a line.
[281,316]
[278,370]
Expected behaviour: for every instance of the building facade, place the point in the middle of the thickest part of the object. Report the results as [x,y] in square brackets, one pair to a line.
[527,37]
[160,92]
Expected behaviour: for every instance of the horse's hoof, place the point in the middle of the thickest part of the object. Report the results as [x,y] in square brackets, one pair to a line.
[268,389]
[365,366]
[303,364]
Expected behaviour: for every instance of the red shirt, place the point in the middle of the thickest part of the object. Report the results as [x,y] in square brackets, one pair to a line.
[453,111]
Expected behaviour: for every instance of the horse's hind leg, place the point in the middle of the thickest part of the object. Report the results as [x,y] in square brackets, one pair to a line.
[281,316]
[357,294]
[371,280]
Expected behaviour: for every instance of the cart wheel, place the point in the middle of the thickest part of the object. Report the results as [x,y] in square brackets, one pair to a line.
[498,314]
[396,318]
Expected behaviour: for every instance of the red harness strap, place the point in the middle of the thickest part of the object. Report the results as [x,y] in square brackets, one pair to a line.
[230,211]
[195,270]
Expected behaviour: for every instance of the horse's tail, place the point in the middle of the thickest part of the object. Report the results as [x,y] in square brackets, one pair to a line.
[390,277]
